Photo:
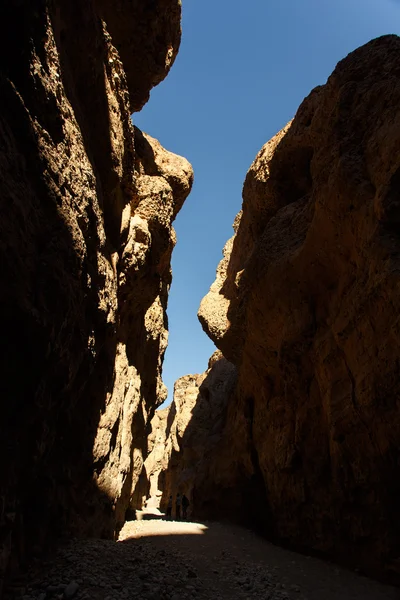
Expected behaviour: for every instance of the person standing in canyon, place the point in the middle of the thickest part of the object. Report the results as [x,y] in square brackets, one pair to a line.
[169,508]
[185,506]
[178,507]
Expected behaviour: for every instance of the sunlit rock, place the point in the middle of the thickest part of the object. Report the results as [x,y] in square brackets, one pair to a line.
[87,204]
[306,305]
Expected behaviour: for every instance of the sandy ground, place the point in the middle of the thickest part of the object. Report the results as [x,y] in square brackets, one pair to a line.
[168,560]
[225,555]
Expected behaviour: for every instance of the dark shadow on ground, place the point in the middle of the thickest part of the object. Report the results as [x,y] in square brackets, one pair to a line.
[209,559]
[226,556]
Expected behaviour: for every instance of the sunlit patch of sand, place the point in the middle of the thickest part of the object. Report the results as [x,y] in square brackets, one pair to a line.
[137,529]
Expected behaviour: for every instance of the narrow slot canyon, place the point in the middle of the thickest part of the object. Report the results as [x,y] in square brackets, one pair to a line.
[275,473]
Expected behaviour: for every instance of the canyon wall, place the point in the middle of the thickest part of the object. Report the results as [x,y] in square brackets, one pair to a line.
[87,204]
[306,305]
[184,438]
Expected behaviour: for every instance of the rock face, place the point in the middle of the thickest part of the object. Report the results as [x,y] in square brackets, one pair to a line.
[306,305]
[87,204]
[184,436]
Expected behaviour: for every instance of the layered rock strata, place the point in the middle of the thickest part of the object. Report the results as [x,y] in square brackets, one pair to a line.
[87,204]
[184,437]
[306,304]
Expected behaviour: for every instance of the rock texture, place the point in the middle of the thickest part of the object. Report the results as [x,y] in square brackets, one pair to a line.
[306,305]
[87,204]
[149,36]
[184,436]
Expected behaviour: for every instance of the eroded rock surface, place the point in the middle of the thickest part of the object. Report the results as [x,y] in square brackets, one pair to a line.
[184,436]
[306,305]
[87,204]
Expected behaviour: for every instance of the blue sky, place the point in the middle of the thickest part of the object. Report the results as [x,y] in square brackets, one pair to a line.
[241,73]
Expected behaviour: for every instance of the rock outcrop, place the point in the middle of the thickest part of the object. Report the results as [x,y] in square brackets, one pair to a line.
[185,435]
[87,205]
[306,305]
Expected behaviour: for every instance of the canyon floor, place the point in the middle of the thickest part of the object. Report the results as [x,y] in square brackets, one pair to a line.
[169,560]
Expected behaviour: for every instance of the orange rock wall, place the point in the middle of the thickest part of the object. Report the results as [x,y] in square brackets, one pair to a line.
[306,304]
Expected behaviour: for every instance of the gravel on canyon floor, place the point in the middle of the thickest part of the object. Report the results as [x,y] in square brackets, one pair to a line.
[168,560]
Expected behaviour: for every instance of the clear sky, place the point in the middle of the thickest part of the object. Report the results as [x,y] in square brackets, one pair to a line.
[242,70]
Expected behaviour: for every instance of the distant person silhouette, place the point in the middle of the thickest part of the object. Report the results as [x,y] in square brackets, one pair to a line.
[178,507]
[169,508]
[185,506]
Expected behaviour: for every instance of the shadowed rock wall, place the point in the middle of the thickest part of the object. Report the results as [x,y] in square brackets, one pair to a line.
[184,437]
[87,204]
[306,304]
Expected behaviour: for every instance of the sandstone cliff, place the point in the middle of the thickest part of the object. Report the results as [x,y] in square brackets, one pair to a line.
[306,305]
[87,205]
[184,437]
